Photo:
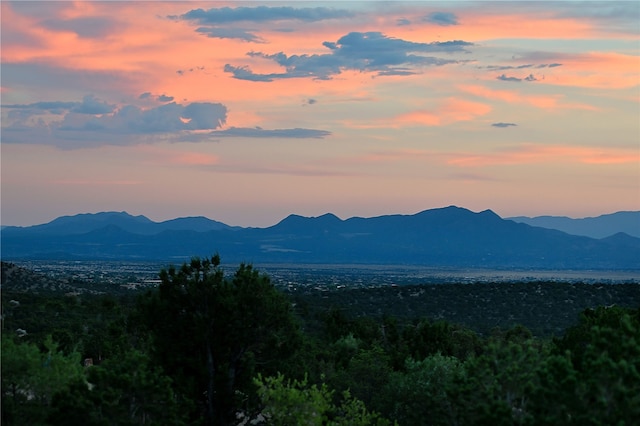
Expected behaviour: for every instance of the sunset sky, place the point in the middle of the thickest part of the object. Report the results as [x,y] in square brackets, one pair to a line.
[245,112]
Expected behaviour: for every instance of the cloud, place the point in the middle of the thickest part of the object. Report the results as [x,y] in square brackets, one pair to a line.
[258,132]
[190,70]
[503,77]
[226,15]
[504,125]
[519,67]
[195,159]
[159,98]
[402,21]
[539,101]
[93,122]
[441,18]
[168,118]
[212,21]
[232,33]
[55,107]
[449,111]
[532,154]
[89,105]
[365,52]
[92,105]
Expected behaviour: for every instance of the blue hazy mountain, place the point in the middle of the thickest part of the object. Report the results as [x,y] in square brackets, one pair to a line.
[594,227]
[450,236]
[87,222]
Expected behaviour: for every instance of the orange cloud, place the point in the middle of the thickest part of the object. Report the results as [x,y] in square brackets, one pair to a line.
[511,96]
[490,21]
[173,155]
[450,111]
[396,155]
[195,159]
[602,70]
[531,153]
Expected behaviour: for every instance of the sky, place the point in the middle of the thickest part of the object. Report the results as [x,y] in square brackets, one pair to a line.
[246,112]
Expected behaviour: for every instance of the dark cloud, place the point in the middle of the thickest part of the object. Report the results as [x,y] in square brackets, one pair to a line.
[311,101]
[92,105]
[397,71]
[55,107]
[227,15]
[245,73]
[504,77]
[519,67]
[81,126]
[402,21]
[212,21]
[89,105]
[190,70]
[145,95]
[93,123]
[171,117]
[366,52]
[441,18]
[258,132]
[165,98]
[234,33]
[504,125]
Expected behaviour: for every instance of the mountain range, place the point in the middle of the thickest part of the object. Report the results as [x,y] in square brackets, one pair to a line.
[445,237]
[594,227]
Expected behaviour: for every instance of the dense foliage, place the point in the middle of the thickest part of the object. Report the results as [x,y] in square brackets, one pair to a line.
[204,348]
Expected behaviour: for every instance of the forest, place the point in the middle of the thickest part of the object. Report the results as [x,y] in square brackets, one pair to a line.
[208,347]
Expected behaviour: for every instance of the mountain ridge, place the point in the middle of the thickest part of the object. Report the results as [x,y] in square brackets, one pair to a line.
[140,224]
[448,236]
[595,227]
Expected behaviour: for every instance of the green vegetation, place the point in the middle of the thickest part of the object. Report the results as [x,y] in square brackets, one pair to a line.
[205,348]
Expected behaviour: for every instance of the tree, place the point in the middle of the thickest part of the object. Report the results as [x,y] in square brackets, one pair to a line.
[594,378]
[421,393]
[128,390]
[497,387]
[298,403]
[211,333]
[30,378]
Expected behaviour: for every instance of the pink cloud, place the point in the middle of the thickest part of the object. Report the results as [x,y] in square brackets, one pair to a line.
[449,111]
[514,97]
[195,159]
[530,153]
